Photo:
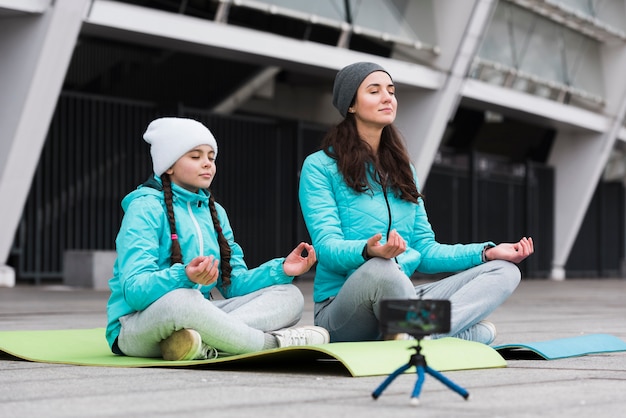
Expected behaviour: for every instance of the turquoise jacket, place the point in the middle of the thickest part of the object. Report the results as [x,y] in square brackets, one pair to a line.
[142,271]
[340,221]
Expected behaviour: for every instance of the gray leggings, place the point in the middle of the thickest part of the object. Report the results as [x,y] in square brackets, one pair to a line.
[236,325]
[474,293]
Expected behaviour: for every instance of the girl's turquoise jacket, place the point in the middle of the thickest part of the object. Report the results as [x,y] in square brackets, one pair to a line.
[142,272]
[340,221]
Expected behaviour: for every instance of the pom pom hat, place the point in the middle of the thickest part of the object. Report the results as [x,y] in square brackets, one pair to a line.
[347,82]
[171,138]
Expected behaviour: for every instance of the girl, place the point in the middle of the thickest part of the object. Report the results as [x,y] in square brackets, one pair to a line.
[175,244]
[364,212]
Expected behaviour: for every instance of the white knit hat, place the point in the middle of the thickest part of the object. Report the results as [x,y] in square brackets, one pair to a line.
[171,138]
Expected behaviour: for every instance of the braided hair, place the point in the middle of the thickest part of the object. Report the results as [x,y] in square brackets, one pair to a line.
[177,257]
[225,250]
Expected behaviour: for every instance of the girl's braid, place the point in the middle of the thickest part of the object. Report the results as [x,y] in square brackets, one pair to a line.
[225,250]
[177,256]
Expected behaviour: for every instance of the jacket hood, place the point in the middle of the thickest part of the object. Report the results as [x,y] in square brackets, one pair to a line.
[154,187]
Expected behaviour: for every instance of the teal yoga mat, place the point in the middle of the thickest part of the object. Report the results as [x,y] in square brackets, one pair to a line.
[563,347]
[87,347]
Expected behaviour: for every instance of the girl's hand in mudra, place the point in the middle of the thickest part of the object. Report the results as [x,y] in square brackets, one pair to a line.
[202,269]
[296,264]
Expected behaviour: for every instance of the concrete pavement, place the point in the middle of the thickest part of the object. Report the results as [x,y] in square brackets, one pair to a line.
[586,386]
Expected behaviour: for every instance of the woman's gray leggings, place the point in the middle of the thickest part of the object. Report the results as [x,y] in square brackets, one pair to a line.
[474,293]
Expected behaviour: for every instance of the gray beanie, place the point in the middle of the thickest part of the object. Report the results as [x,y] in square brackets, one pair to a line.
[347,82]
[171,138]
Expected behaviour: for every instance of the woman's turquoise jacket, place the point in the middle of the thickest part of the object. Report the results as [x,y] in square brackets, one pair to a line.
[340,221]
[142,272]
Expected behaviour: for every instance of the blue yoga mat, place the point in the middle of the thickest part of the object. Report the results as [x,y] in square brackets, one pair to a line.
[562,347]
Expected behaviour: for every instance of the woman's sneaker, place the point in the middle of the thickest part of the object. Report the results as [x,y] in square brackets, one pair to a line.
[482,332]
[306,335]
[186,344]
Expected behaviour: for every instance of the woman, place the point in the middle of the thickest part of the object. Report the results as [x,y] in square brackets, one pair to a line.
[175,245]
[366,217]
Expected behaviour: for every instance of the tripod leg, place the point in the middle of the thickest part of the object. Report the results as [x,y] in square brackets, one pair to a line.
[449,383]
[419,369]
[389,379]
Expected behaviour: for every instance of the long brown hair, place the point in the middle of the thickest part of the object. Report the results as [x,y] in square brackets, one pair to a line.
[177,257]
[392,164]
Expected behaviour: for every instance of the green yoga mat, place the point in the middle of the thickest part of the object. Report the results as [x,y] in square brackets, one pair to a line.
[563,347]
[87,347]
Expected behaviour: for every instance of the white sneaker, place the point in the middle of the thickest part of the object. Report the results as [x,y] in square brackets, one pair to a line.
[306,335]
[186,344]
[482,332]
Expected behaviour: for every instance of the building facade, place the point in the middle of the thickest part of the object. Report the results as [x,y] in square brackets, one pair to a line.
[513,112]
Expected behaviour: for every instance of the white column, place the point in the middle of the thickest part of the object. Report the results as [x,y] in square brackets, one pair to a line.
[36,50]
[579,160]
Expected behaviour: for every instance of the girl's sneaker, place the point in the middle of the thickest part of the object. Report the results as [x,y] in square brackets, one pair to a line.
[306,335]
[186,344]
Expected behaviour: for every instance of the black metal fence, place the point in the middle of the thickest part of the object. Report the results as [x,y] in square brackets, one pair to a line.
[473,198]
[93,155]
[599,247]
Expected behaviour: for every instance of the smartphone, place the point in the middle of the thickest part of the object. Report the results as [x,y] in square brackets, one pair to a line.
[416,317]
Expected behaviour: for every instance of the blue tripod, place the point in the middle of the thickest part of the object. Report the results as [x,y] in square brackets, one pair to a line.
[419,361]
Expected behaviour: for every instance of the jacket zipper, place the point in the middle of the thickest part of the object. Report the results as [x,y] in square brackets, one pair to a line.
[198,230]
[388,210]
[198,234]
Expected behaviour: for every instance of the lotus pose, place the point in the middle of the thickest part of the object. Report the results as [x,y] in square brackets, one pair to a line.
[363,209]
[175,245]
